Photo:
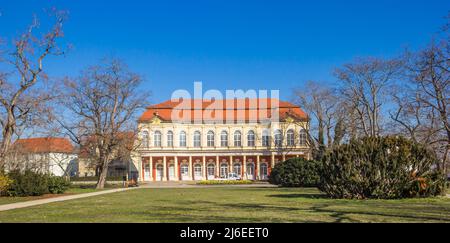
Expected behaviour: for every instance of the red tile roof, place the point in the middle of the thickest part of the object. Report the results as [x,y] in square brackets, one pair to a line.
[218,111]
[44,145]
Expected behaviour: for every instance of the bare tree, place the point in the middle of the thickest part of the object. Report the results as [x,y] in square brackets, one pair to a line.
[325,108]
[423,108]
[101,106]
[366,85]
[18,102]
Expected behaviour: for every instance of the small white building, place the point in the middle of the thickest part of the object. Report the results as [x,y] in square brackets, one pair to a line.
[56,156]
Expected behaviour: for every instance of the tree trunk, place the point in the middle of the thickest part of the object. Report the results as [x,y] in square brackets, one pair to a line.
[6,144]
[103,173]
[102,179]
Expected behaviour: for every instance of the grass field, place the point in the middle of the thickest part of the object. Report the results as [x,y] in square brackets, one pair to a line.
[73,190]
[231,205]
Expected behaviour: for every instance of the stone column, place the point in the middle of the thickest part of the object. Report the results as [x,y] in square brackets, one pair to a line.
[272,161]
[151,168]
[205,176]
[244,170]
[257,168]
[190,169]
[230,168]
[217,167]
[164,168]
[176,168]
[284,157]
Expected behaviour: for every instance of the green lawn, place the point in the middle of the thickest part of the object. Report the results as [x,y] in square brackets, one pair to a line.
[71,191]
[231,205]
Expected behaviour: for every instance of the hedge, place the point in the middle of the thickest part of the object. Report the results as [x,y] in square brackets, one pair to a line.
[296,172]
[381,168]
[30,183]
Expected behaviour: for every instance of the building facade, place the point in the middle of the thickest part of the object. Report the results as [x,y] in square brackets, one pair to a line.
[247,137]
[49,155]
[121,165]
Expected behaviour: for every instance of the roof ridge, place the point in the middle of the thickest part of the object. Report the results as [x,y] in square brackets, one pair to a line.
[169,104]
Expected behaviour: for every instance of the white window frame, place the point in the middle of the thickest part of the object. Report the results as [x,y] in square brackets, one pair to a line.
[303,137]
[197,139]
[237,168]
[237,139]
[145,139]
[251,139]
[183,139]
[278,138]
[157,139]
[290,138]
[211,168]
[210,137]
[197,170]
[224,139]
[169,139]
[265,138]
[184,170]
[223,168]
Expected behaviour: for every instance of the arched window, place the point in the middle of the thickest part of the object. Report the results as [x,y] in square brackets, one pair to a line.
[159,172]
[290,138]
[183,139]
[303,138]
[157,139]
[210,139]
[237,168]
[184,169]
[211,170]
[265,138]
[197,170]
[251,139]
[145,141]
[169,139]
[263,171]
[224,170]
[224,139]
[237,139]
[278,138]
[197,139]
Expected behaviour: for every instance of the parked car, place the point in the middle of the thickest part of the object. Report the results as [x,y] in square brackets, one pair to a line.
[234,177]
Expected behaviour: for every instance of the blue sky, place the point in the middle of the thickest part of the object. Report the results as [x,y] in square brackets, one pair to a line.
[231,44]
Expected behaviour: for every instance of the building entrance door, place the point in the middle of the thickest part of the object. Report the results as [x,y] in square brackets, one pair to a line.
[250,171]
[211,171]
[172,172]
[159,172]
[147,172]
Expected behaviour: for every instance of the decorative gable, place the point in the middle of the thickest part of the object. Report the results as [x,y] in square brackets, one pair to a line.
[155,120]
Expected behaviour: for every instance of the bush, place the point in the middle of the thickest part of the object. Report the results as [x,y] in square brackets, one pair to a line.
[296,172]
[28,183]
[5,182]
[382,168]
[57,185]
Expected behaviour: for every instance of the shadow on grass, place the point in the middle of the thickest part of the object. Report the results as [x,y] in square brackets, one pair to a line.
[343,215]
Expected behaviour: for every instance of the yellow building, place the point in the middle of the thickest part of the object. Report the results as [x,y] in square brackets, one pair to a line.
[207,140]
